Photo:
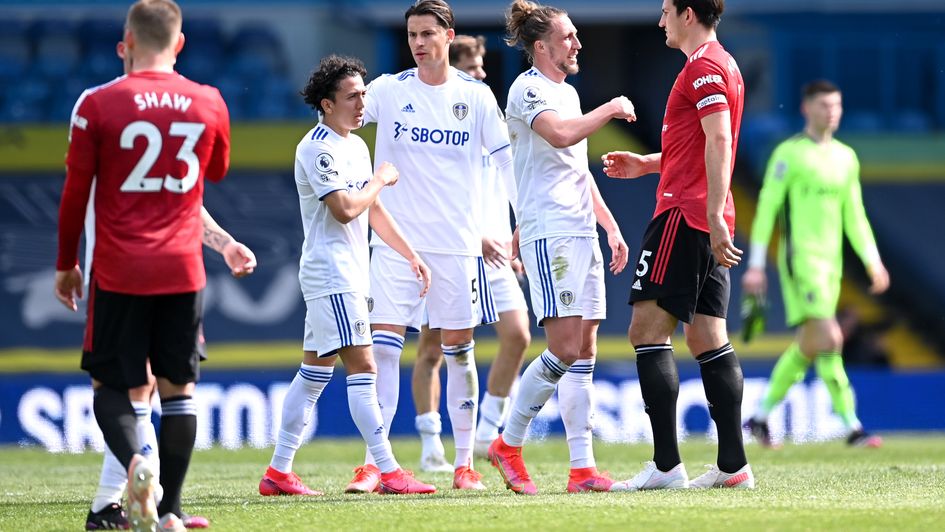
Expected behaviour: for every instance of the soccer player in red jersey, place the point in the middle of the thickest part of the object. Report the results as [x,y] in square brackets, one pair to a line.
[687,250]
[148,139]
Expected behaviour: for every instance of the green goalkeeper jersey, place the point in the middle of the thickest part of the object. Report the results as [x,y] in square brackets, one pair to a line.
[814,191]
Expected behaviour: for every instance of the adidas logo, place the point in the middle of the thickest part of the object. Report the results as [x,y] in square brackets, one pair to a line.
[536,408]
[467,405]
[380,430]
[737,479]
[408,109]
[636,285]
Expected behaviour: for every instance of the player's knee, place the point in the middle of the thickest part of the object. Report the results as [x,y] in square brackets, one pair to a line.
[588,352]
[518,341]
[642,336]
[357,366]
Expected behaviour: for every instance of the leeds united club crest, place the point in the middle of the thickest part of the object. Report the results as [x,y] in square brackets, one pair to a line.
[460,110]
[567,297]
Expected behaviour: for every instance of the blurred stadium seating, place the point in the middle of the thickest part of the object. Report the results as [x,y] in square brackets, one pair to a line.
[45,63]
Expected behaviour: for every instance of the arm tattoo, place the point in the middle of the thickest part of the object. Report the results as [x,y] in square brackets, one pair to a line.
[215,239]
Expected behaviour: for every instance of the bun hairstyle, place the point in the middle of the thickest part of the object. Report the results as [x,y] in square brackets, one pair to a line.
[527,22]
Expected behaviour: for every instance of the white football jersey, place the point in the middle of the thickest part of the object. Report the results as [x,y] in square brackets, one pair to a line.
[334,255]
[554,189]
[496,221]
[435,136]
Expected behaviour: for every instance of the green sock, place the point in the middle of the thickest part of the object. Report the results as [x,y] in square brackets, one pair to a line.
[790,370]
[829,368]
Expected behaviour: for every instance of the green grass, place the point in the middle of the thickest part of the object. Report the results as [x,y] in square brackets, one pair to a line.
[800,487]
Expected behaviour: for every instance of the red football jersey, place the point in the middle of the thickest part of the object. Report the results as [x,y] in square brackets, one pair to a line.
[710,82]
[148,140]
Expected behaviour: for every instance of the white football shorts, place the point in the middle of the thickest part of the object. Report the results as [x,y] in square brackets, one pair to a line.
[506,290]
[336,321]
[459,296]
[565,277]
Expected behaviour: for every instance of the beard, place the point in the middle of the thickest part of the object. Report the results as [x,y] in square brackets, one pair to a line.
[569,69]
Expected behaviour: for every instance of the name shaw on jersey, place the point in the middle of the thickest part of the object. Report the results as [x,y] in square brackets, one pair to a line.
[432,136]
[151,100]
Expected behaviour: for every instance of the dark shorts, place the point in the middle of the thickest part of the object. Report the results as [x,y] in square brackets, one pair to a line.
[676,268]
[123,331]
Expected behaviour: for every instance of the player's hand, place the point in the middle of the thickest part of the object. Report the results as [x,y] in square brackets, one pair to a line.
[722,246]
[623,108]
[68,287]
[516,252]
[619,252]
[495,252]
[387,173]
[879,278]
[239,258]
[420,269]
[623,164]
[755,282]
[517,267]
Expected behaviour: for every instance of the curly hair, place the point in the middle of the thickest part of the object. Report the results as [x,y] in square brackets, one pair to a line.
[323,83]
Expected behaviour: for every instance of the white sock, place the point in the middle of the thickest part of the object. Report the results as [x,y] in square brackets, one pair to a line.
[430,426]
[297,410]
[149,442]
[576,402]
[387,348]
[493,412]
[537,384]
[366,413]
[462,398]
[111,482]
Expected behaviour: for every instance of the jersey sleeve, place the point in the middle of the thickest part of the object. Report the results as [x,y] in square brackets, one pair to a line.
[532,99]
[219,161]
[855,223]
[771,199]
[81,164]
[495,132]
[320,163]
[83,135]
[706,86]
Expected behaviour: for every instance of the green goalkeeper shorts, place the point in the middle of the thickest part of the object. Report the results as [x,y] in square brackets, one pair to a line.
[810,294]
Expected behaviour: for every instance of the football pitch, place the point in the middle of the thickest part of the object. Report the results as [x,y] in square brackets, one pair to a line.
[824,486]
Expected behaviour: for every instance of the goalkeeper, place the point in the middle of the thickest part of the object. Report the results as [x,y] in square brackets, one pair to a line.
[812,187]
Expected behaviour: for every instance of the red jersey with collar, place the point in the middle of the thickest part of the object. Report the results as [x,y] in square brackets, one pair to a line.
[148,140]
[710,82]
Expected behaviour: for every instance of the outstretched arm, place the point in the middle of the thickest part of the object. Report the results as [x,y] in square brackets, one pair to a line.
[629,165]
[562,133]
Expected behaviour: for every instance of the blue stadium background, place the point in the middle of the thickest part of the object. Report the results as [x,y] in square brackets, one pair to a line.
[889,60]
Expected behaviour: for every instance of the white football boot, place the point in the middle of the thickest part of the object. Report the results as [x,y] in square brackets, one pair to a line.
[652,478]
[715,478]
